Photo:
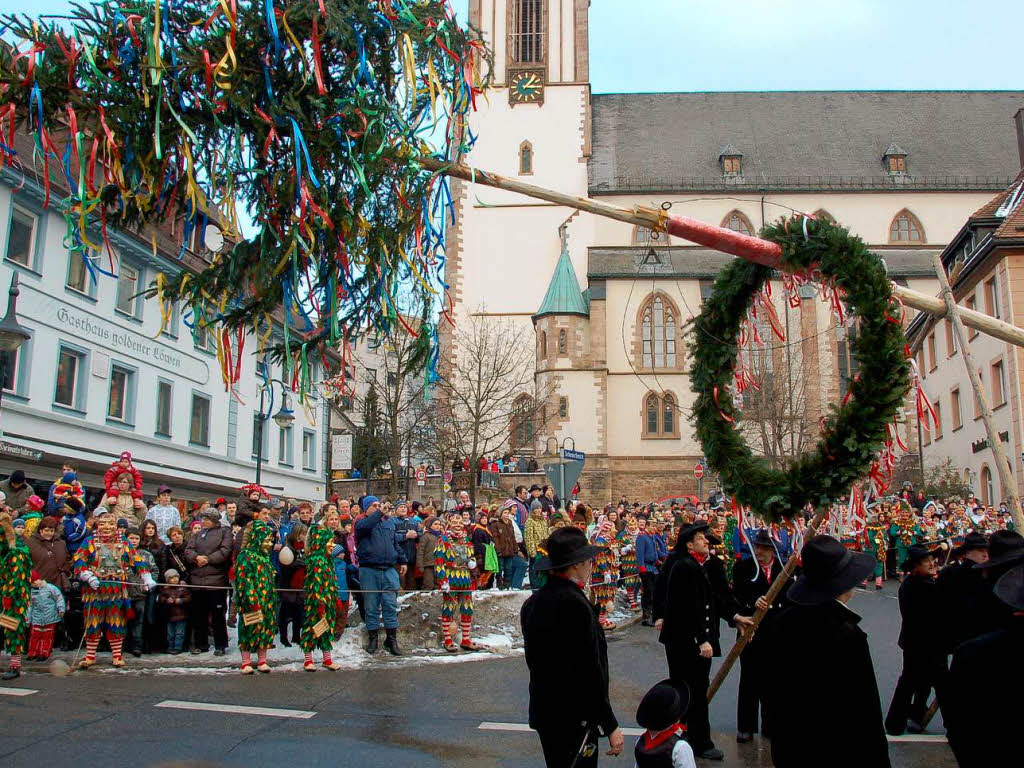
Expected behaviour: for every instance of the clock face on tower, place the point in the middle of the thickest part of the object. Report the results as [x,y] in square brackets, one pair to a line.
[526,86]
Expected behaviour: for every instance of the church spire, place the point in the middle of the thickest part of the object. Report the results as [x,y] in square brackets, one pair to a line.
[564,296]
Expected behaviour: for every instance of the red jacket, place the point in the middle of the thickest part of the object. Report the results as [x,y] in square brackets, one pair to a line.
[114,472]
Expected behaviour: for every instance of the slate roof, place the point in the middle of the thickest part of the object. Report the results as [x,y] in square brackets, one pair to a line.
[811,140]
[682,262]
[1012,225]
[564,296]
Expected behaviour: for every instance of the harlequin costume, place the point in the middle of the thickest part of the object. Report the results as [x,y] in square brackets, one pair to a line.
[605,575]
[320,617]
[453,568]
[254,591]
[103,564]
[907,532]
[115,470]
[728,544]
[876,543]
[629,570]
[15,591]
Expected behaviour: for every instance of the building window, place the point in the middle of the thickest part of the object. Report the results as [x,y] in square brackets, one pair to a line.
[543,343]
[9,365]
[659,416]
[954,408]
[526,159]
[284,446]
[920,362]
[926,430]
[522,422]
[170,329]
[202,339]
[121,394]
[199,423]
[848,365]
[992,298]
[78,273]
[164,391]
[260,432]
[897,164]
[970,302]
[731,166]
[527,35]
[938,420]
[659,334]
[737,222]
[21,237]
[645,236]
[707,287]
[932,361]
[977,402]
[950,338]
[127,287]
[70,389]
[906,228]
[988,491]
[563,408]
[998,384]
[562,344]
[308,449]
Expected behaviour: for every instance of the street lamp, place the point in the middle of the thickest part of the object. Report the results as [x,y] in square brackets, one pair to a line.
[12,333]
[284,418]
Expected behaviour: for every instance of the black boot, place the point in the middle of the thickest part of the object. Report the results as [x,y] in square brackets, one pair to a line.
[371,646]
[11,674]
[391,642]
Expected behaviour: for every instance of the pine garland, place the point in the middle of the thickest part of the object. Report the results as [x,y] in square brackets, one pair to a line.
[854,431]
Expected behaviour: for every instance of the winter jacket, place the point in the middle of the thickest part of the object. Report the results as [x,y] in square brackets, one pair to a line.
[16,498]
[522,513]
[136,590]
[177,598]
[647,553]
[535,532]
[377,542]
[425,550]
[46,606]
[173,557]
[51,559]
[480,537]
[165,519]
[338,554]
[114,471]
[504,538]
[246,510]
[75,531]
[408,546]
[216,543]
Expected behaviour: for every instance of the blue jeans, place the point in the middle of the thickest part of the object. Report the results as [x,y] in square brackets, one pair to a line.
[381,596]
[175,635]
[512,570]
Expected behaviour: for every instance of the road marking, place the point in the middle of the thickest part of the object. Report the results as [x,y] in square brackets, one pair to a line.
[17,691]
[924,738]
[524,728]
[235,709]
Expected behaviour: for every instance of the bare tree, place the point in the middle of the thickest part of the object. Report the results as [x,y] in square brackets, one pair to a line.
[491,366]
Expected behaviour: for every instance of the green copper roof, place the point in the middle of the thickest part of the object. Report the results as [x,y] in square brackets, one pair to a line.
[564,296]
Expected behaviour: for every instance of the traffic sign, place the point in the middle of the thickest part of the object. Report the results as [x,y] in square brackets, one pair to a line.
[573,455]
[698,470]
[421,475]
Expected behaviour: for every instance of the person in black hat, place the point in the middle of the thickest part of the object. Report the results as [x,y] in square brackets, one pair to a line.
[985,612]
[960,585]
[982,712]
[688,618]
[819,624]
[751,580]
[922,640]
[661,710]
[567,657]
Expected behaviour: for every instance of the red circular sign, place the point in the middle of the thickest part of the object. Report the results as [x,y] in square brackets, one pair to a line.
[698,471]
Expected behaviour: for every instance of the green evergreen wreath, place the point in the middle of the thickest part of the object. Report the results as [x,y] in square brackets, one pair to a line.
[855,431]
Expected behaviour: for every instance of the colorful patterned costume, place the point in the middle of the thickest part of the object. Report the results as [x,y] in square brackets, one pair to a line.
[15,591]
[629,571]
[103,564]
[322,603]
[453,566]
[876,544]
[605,575]
[907,532]
[728,545]
[254,591]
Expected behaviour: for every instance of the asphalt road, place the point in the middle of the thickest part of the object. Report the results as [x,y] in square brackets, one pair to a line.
[374,717]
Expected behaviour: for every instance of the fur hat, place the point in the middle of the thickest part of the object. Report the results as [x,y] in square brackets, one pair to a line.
[171,572]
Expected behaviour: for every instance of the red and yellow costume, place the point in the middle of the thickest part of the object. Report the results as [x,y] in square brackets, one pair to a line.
[453,568]
[629,571]
[605,576]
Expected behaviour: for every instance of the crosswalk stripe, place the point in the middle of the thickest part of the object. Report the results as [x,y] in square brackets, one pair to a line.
[236,709]
[17,691]
[924,738]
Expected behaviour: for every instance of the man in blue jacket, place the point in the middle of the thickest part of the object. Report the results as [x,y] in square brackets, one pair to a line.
[648,557]
[378,547]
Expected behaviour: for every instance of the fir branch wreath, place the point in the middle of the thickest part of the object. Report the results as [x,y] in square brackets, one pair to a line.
[855,430]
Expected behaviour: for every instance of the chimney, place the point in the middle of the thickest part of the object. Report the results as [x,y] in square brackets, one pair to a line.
[1019,120]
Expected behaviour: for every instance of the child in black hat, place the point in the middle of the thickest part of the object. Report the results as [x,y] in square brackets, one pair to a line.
[660,712]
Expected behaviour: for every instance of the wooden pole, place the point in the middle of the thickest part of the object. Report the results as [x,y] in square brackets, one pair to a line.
[931,712]
[721,239]
[1006,480]
[759,614]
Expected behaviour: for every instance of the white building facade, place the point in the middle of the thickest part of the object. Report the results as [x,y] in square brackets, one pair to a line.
[98,378]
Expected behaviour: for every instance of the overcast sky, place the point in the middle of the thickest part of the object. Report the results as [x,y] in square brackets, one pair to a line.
[735,45]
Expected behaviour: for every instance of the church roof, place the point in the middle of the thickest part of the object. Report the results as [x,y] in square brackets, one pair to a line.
[564,296]
[809,140]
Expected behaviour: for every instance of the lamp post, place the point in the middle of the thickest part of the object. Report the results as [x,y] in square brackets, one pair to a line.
[12,333]
[284,418]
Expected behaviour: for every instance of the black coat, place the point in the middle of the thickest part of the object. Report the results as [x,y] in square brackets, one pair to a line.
[746,589]
[981,703]
[696,596]
[923,627]
[852,735]
[960,585]
[568,659]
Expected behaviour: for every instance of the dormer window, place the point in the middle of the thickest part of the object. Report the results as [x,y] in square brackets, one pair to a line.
[731,160]
[894,160]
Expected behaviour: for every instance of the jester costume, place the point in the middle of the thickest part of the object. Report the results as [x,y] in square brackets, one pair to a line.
[629,570]
[907,533]
[320,618]
[103,564]
[254,591]
[876,544]
[605,575]
[728,545]
[453,569]
[15,591]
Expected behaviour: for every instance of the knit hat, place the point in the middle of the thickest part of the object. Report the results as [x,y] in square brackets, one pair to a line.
[35,503]
[18,476]
[171,572]
[34,577]
[125,455]
[535,504]
[69,478]
[367,501]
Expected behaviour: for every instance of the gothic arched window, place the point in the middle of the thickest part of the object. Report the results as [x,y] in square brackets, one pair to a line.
[906,228]
[737,222]
[658,327]
[526,159]
[522,422]
[562,345]
[660,415]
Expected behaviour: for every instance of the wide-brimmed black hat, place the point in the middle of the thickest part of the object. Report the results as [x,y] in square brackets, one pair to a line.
[1010,588]
[663,706]
[567,546]
[1003,547]
[972,540]
[762,539]
[534,487]
[687,532]
[915,554]
[830,569]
